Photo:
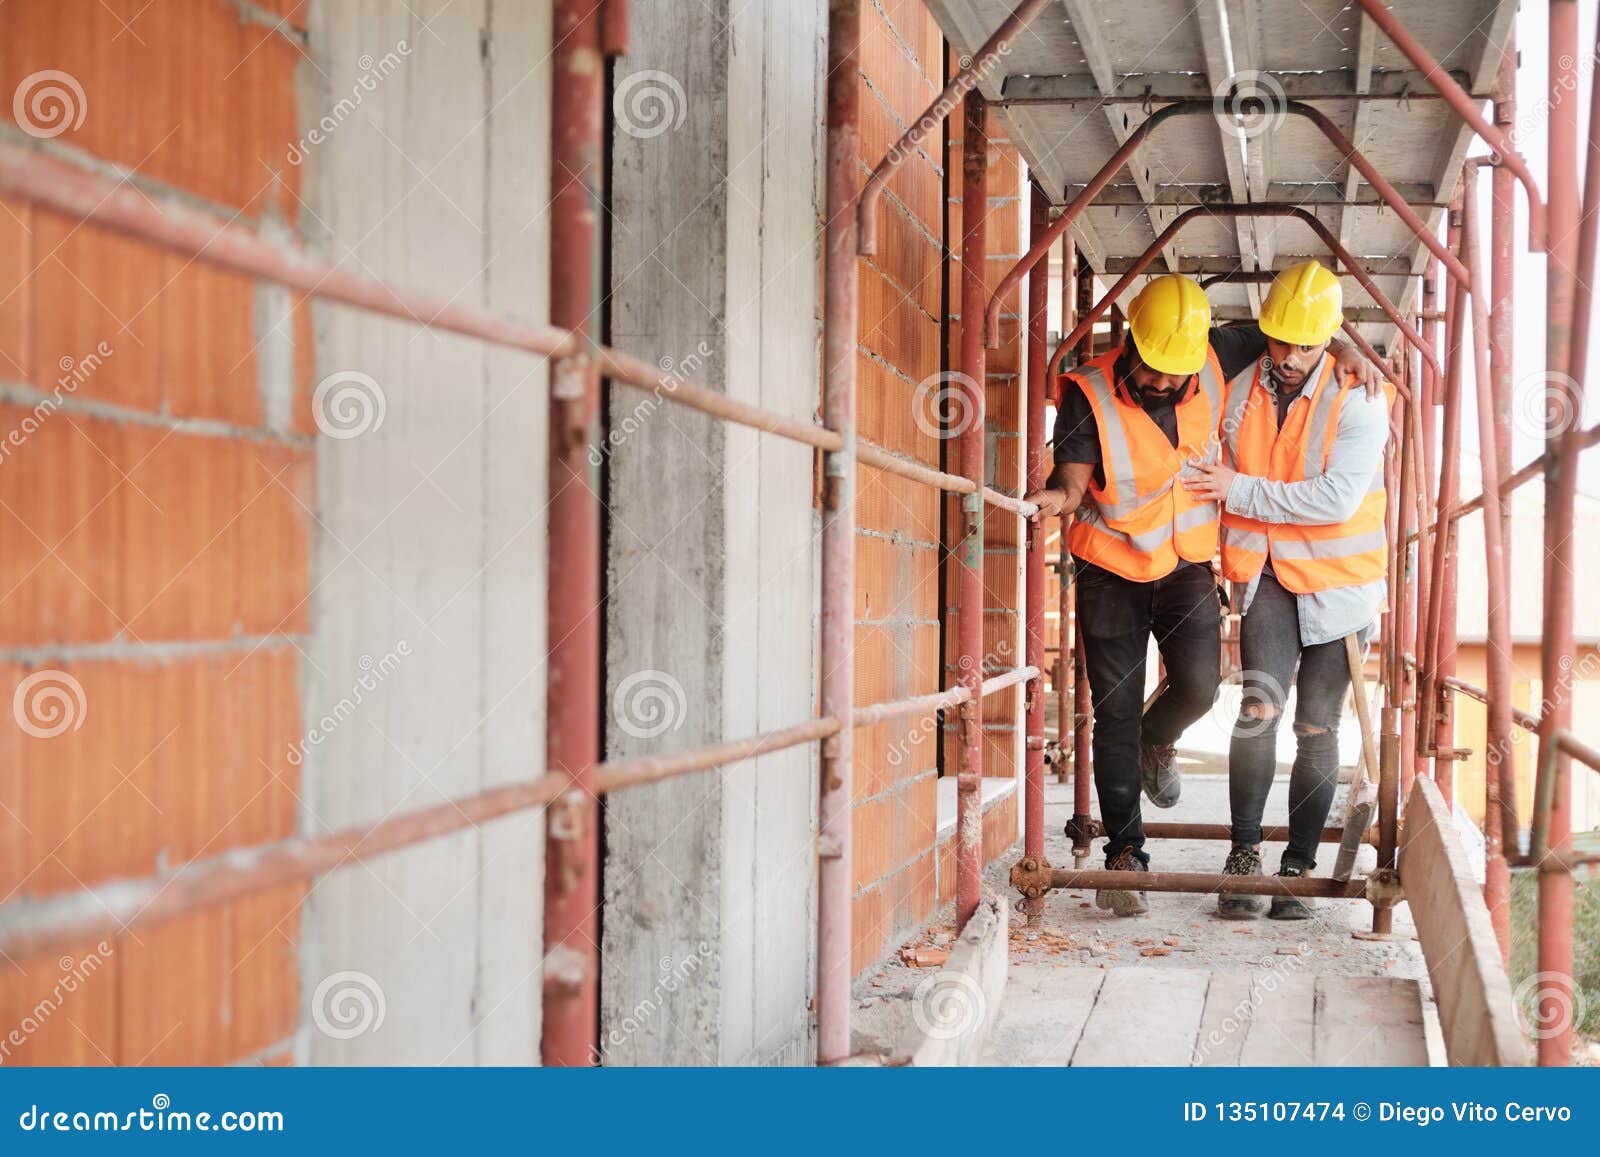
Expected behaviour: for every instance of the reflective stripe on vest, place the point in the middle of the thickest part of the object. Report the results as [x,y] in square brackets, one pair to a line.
[1140,522]
[1306,558]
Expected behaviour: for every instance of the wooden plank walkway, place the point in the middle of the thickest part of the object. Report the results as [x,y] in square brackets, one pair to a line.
[1058,1015]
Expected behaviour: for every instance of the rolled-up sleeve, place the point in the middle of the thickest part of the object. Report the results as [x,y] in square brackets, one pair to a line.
[1333,496]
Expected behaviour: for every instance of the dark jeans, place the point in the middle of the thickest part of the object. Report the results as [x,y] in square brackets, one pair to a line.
[1116,618]
[1269,648]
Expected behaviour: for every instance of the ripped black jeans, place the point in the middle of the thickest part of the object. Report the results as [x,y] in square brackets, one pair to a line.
[1269,650]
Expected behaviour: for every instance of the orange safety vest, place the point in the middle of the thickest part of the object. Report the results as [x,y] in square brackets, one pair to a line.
[1141,522]
[1306,558]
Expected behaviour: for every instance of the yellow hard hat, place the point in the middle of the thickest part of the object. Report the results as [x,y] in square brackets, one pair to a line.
[1170,320]
[1305,305]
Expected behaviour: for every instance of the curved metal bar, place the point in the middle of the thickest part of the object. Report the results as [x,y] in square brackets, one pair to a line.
[1336,137]
[1086,322]
[1467,109]
[1378,181]
[959,85]
[1076,206]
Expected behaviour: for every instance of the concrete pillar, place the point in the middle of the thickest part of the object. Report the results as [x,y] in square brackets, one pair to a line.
[711,534]
[430,170]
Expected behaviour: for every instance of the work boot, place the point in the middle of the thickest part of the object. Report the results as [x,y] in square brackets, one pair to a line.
[1158,771]
[1290,907]
[1243,860]
[1123,903]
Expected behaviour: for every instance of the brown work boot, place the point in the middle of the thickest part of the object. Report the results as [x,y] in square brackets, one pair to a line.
[1158,772]
[1118,900]
[1243,860]
[1290,907]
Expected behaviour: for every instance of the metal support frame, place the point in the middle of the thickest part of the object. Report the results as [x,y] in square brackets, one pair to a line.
[969,447]
[835,881]
[572,748]
[1038,471]
[1423,686]
[1316,116]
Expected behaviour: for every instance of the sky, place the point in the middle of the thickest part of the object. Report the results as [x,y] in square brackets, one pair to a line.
[1528,339]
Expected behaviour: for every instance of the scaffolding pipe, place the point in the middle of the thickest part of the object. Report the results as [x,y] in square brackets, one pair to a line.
[1498,734]
[835,882]
[1086,322]
[969,558]
[1336,137]
[1566,257]
[572,832]
[1082,699]
[1038,472]
[1466,107]
[934,116]
[1502,344]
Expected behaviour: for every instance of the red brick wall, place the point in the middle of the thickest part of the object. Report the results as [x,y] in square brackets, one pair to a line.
[155,568]
[899,878]
[897,569]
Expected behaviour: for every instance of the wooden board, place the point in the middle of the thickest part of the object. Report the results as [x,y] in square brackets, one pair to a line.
[1368,1020]
[1144,1016]
[1263,1018]
[1476,1011]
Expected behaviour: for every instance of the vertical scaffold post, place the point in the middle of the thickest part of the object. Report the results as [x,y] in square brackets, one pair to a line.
[969,445]
[572,835]
[1428,397]
[1082,704]
[1038,470]
[1442,588]
[1562,431]
[834,865]
[1502,331]
[1498,733]
[1066,728]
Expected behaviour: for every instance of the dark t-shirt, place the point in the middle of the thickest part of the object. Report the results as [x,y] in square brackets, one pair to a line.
[1077,434]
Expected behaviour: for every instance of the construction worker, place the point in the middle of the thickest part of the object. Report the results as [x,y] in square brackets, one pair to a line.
[1302,491]
[1131,421]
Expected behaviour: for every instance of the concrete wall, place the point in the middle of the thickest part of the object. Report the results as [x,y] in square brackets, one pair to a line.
[711,534]
[429,531]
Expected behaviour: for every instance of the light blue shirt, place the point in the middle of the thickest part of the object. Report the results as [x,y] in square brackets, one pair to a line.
[1332,496]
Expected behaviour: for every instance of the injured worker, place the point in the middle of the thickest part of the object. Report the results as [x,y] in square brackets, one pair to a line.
[1132,422]
[1301,490]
